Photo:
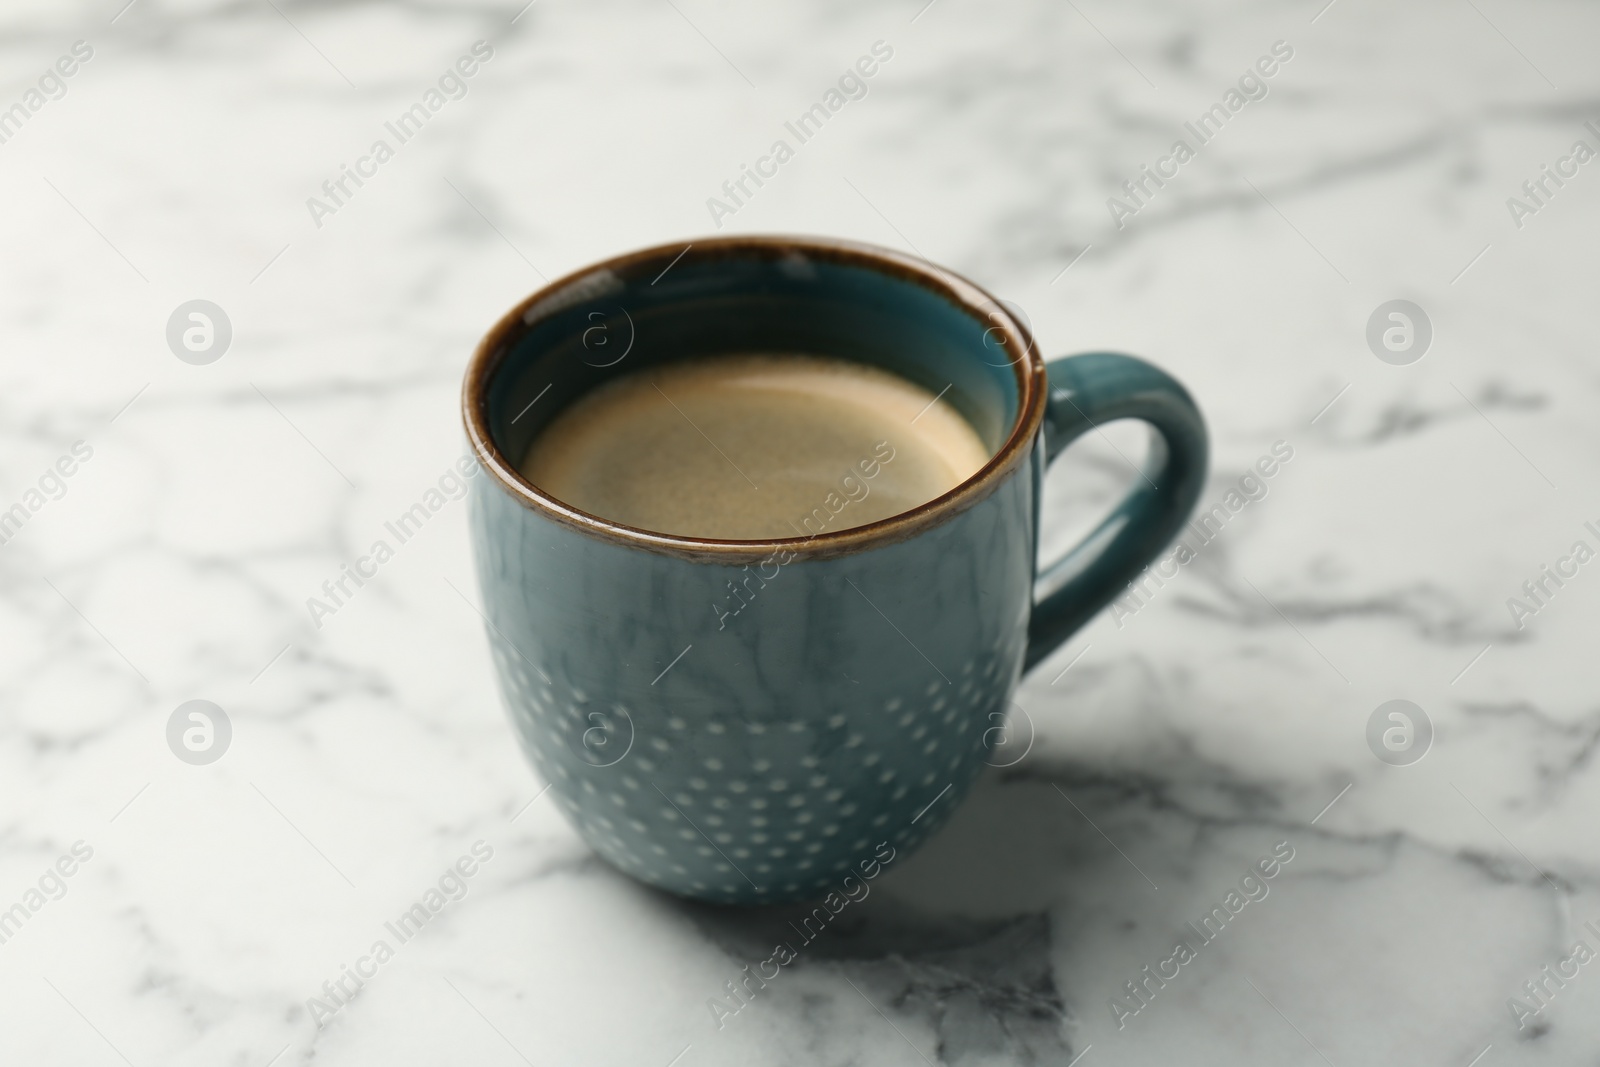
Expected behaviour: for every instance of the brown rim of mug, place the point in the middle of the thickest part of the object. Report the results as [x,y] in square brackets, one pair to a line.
[1029,371]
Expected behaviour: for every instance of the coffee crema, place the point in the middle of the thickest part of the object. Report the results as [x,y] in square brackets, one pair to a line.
[754,447]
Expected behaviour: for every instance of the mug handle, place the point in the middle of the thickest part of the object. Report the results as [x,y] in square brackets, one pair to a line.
[1086,391]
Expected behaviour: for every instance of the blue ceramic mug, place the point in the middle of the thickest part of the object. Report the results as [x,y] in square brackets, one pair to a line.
[841,713]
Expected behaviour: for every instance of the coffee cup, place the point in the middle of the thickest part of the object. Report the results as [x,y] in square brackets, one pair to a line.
[842,712]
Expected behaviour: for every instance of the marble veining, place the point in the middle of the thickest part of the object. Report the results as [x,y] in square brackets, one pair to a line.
[1431,911]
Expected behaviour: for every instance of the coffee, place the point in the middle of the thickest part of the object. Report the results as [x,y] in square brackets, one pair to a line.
[754,447]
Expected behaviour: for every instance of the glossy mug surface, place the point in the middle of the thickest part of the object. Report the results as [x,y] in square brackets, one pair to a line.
[752,721]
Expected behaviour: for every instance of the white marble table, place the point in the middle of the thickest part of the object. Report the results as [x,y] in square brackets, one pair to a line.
[208,904]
